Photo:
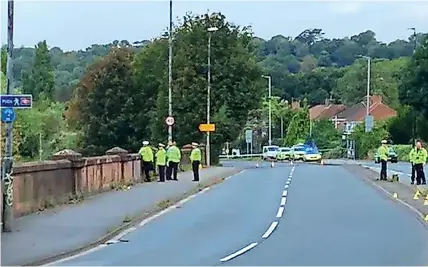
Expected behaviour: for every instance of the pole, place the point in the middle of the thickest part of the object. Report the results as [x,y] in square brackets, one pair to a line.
[310,127]
[170,70]
[270,110]
[368,87]
[7,169]
[248,148]
[208,99]
[282,127]
[415,43]
[40,147]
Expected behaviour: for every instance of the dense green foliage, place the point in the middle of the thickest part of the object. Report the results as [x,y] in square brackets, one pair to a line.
[117,94]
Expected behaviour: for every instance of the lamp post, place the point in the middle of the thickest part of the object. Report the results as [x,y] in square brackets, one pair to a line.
[210,31]
[415,43]
[270,107]
[170,70]
[368,84]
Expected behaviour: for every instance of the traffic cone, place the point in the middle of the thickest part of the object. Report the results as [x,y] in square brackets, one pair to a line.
[200,166]
[395,195]
[426,201]
[257,165]
[322,162]
[272,164]
[416,196]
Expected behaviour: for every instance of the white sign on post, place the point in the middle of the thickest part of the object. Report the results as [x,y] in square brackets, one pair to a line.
[170,121]
[249,136]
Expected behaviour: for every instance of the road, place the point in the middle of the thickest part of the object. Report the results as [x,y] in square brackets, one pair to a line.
[328,217]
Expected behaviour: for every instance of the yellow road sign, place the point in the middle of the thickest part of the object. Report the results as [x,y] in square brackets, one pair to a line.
[207,127]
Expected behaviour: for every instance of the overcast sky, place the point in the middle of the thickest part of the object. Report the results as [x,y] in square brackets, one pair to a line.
[78,24]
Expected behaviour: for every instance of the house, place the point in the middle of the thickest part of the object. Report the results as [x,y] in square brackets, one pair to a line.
[347,118]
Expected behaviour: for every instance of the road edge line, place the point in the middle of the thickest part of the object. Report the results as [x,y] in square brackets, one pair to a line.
[270,230]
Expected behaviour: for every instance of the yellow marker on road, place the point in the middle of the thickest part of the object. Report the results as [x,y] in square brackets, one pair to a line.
[426,218]
[395,195]
[416,196]
[426,202]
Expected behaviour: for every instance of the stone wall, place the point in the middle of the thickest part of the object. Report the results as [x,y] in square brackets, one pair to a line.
[69,177]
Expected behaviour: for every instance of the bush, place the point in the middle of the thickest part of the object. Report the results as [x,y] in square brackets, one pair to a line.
[335,153]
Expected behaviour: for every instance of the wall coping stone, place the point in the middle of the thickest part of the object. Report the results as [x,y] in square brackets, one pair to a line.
[117,151]
[46,165]
[66,154]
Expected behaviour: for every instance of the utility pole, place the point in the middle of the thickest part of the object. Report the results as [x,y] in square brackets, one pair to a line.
[7,169]
[210,31]
[170,70]
[368,86]
[270,107]
[415,44]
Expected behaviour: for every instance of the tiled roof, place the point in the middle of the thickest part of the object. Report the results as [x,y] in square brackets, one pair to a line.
[378,110]
[325,111]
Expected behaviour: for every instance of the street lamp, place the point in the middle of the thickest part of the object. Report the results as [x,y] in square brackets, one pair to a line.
[368,84]
[270,107]
[415,43]
[210,31]
[170,70]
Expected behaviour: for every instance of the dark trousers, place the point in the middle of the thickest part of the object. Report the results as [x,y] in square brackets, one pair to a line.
[147,165]
[195,168]
[420,174]
[383,166]
[413,176]
[161,169]
[172,170]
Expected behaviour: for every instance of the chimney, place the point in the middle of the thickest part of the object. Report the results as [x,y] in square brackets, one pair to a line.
[375,99]
[327,102]
[295,105]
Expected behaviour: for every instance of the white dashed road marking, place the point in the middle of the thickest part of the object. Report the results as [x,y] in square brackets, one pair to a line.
[280,212]
[270,230]
[283,201]
[286,186]
[284,193]
[239,252]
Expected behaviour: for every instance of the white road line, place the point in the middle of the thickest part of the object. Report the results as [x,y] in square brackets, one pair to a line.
[270,230]
[288,182]
[280,212]
[286,186]
[239,252]
[284,193]
[283,201]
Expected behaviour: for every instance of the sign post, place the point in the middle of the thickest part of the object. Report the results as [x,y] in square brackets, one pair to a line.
[249,140]
[368,123]
[8,104]
[207,128]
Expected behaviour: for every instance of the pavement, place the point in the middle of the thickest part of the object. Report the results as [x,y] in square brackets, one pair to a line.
[299,214]
[42,235]
[402,168]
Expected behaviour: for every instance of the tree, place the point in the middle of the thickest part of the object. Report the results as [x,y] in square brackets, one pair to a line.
[325,135]
[236,80]
[106,104]
[3,60]
[41,78]
[298,129]
[414,85]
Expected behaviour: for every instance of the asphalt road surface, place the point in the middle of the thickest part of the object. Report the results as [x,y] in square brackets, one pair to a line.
[286,215]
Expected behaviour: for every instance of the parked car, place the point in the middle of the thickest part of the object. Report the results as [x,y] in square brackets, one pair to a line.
[284,153]
[298,152]
[312,154]
[270,152]
[392,156]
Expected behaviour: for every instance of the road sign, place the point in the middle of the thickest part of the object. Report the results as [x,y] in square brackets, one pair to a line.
[249,136]
[170,121]
[369,123]
[207,127]
[16,101]
[8,115]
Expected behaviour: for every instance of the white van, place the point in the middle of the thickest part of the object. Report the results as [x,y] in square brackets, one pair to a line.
[270,152]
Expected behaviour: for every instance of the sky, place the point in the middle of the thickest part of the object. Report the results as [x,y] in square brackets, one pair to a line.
[73,25]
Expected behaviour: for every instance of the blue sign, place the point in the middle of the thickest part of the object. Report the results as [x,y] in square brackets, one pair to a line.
[369,123]
[16,101]
[8,115]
